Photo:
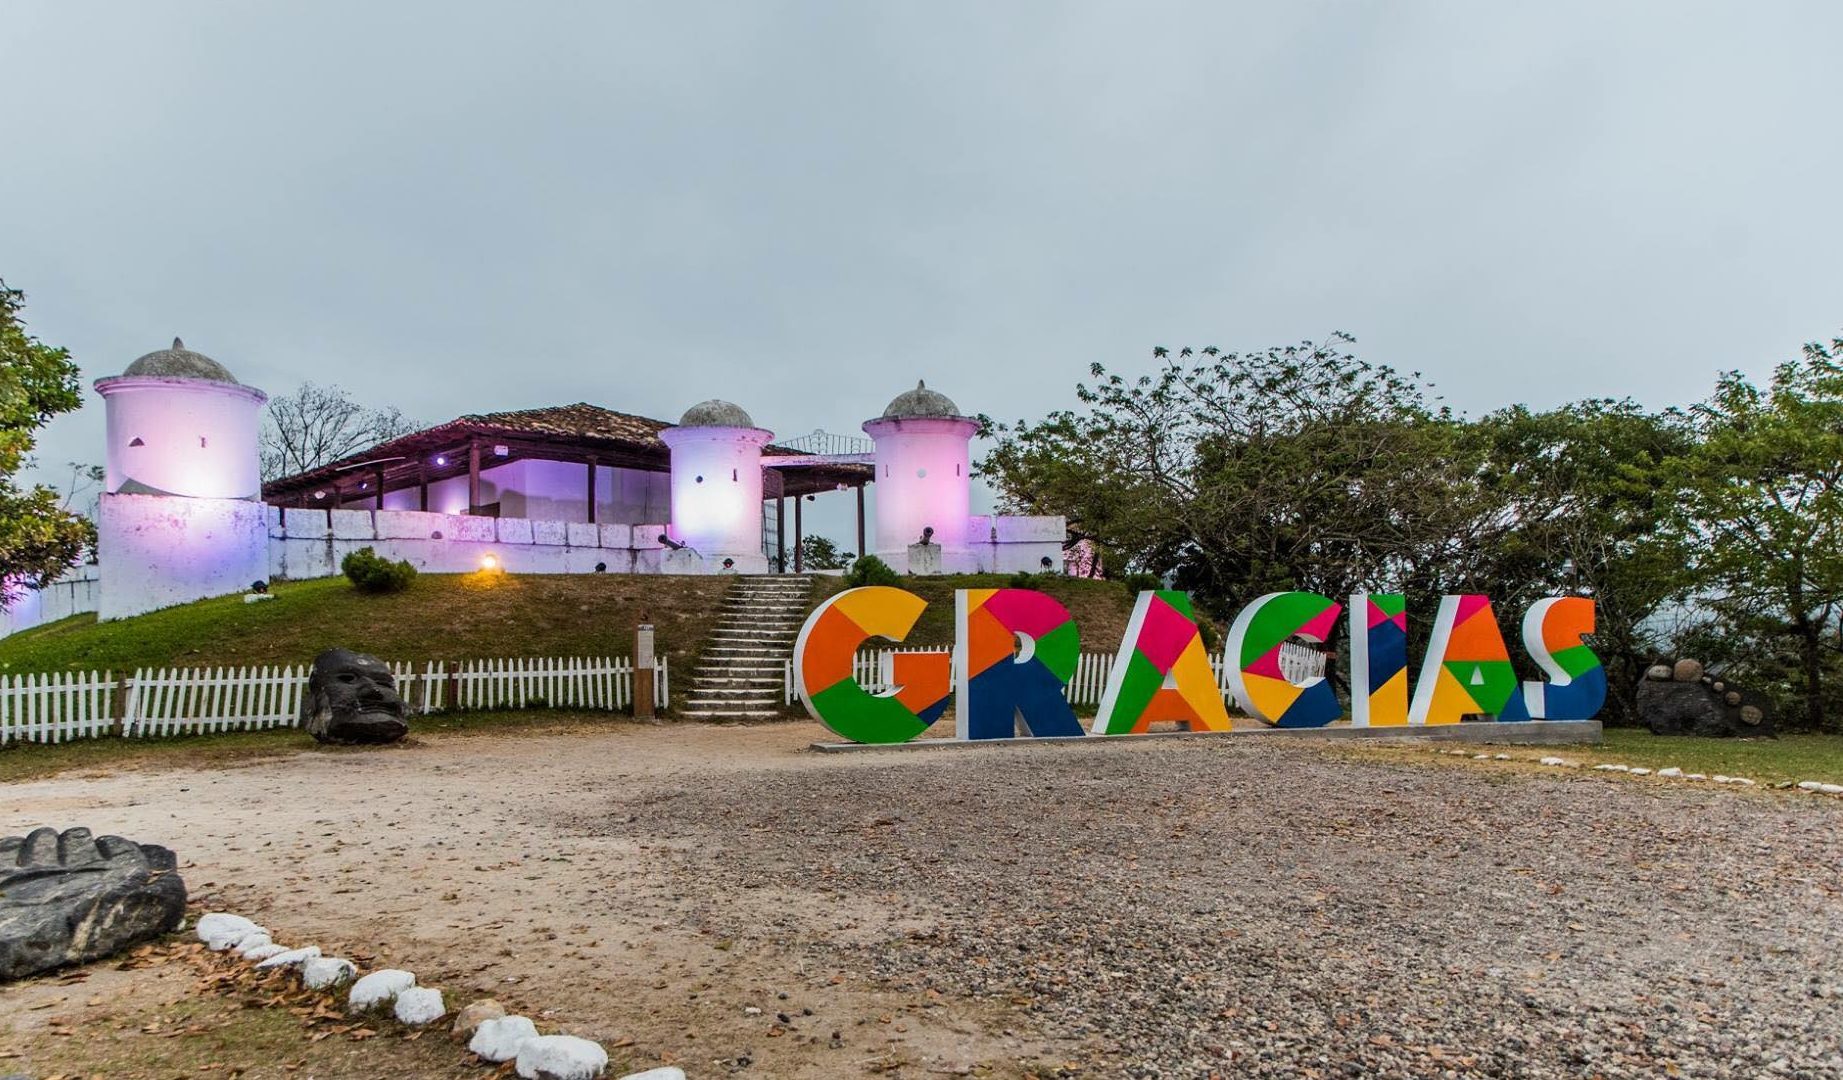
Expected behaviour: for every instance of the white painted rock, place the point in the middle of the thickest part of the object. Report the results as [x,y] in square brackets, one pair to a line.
[290,958]
[220,930]
[1613,768]
[251,942]
[1500,757]
[1672,772]
[1639,772]
[1551,761]
[669,1072]
[499,1039]
[420,1005]
[378,988]
[326,972]
[1481,757]
[1831,789]
[1695,776]
[1722,778]
[1809,785]
[263,952]
[561,1057]
[1743,780]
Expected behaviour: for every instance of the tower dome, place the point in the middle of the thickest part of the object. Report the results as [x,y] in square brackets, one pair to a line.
[921,403]
[716,413]
[180,362]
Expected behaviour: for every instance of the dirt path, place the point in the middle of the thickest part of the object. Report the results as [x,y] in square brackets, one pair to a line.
[1159,909]
[465,860]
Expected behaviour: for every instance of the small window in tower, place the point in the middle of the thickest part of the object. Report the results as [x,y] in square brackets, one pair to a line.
[201,442]
[921,474]
[137,441]
[956,468]
[733,476]
[698,479]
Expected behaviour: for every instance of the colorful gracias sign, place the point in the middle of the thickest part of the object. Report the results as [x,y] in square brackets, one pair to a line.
[1015,651]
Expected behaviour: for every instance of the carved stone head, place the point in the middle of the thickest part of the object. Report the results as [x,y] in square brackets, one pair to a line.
[352,698]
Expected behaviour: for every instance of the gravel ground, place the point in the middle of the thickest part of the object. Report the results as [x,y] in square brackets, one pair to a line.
[1180,909]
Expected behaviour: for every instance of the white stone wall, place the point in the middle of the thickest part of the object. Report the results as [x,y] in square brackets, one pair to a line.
[155,551]
[306,544]
[995,545]
[73,594]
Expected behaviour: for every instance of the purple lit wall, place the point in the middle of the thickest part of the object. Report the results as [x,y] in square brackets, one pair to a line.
[717,492]
[188,437]
[924,479]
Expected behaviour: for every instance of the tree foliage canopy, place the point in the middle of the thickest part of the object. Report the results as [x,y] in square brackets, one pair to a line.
[39,539]
[1306,467]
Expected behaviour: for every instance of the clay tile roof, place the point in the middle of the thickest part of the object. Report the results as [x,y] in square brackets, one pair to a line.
[578,421]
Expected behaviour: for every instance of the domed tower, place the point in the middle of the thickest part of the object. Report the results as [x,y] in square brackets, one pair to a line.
[717,484]
[924,473]
[180,424]
[182,515]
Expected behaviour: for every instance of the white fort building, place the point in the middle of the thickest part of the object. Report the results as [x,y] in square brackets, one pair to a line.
[571,489]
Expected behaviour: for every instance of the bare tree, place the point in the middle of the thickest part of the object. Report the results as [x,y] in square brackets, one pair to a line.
[318,424]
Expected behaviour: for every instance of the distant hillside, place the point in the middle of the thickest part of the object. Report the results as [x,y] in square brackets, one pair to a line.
[440,617]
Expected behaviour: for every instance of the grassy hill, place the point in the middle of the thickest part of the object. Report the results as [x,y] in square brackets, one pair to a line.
[469,616]
[440,617]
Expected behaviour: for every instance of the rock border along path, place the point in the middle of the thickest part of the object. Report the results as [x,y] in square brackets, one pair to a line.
[494,1037]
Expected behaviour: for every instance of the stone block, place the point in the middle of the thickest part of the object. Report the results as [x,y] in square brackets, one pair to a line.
[553,533]
[582,534]
[408,524]
[616,536]
[515,530]
[477,529]
[353,525]
[302,523]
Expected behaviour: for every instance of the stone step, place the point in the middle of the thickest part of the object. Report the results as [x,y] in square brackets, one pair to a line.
[745,650]
[732,714]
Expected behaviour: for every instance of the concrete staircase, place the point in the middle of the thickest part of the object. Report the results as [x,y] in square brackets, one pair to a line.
[740,675]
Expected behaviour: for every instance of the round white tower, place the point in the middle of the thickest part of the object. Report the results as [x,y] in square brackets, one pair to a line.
[717,485]
[181,516]
[180,424]
[924,473]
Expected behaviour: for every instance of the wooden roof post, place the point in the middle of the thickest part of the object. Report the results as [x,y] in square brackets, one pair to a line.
[861,520]
[378,478]
[780,535]
[473,476]
[799,563]
[422,485]
[591,518]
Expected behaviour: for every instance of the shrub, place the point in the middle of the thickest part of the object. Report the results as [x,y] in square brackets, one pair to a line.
[1024,579]
[372,573]
[1140,581]
[870,570]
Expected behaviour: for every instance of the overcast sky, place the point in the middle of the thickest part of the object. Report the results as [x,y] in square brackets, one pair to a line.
[463,207]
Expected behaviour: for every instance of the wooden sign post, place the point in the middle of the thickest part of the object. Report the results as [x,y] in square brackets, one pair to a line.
[643,672]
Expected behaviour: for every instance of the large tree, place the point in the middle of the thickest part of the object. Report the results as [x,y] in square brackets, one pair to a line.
[1762,508]
[317,424]
[39,539]
[1297,467]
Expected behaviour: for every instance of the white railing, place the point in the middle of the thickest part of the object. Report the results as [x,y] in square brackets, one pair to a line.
[872,669]
[154,702]
[825,444]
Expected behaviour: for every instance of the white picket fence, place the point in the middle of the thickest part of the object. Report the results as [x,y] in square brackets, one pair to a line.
[62,706]
[872,669]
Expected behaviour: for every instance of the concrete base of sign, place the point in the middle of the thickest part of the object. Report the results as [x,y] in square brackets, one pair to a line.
[1527,732]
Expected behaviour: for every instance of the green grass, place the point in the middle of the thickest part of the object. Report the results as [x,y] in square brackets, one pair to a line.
[1100,608]
[440,617]
[1790,757]
[35,761]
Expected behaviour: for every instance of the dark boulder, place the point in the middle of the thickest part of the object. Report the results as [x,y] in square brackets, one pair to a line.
[70,898]
[1670,705]
[352,699]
